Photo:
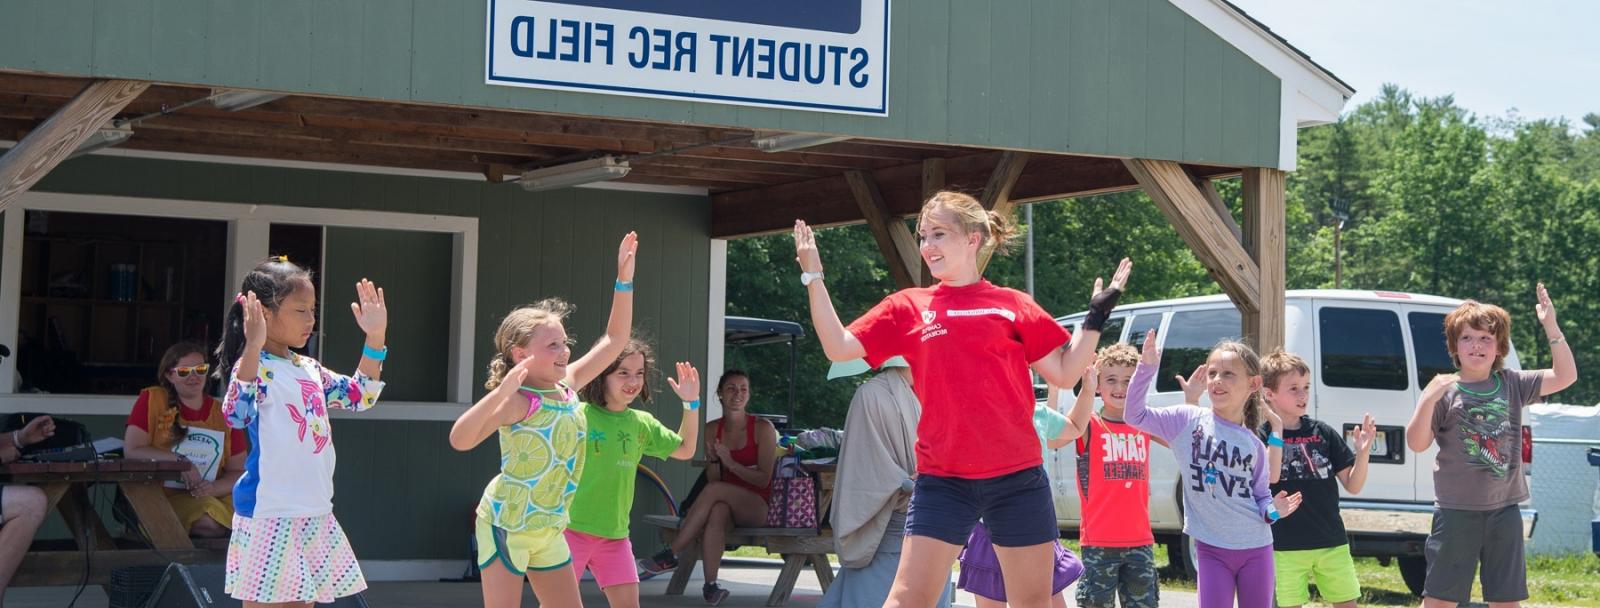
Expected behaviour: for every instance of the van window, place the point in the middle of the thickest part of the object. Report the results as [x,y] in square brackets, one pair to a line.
[1190,337]
[1112,332]
[1141,324]
[1362,348]
[1428,345]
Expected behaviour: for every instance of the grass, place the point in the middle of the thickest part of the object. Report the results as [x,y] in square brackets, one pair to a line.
[1572,580]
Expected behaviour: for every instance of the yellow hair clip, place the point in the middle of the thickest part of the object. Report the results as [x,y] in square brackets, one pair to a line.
[281,258]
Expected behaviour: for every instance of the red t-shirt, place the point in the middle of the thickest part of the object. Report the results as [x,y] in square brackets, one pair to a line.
[1114,485]
[238,443]
[969,348]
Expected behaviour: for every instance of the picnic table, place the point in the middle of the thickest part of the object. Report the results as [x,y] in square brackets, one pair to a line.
[799,547]
[67,486]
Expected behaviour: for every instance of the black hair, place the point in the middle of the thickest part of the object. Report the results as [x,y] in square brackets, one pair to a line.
[272,280]
[729,375]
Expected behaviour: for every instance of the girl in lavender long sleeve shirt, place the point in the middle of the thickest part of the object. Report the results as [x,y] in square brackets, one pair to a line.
[1225,472]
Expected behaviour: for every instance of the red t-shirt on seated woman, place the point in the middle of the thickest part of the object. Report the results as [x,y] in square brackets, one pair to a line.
[969,348]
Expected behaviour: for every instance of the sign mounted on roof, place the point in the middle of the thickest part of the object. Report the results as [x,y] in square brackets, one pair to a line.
[823,55]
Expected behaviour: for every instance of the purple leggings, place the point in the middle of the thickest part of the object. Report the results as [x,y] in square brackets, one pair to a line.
[1224,571]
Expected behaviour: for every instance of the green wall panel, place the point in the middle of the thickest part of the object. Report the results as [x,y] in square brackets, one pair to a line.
[1118,77]
[402,492]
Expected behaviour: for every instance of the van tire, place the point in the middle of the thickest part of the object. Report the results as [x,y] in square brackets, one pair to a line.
[1413,570]
[1180,556]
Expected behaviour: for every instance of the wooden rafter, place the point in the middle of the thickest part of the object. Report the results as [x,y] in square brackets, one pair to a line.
[933,180]
[894,239]
[44,148]
[1212,242]
[997,193]
[1208,189]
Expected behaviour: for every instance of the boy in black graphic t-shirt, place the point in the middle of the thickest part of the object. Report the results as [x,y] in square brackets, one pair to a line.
[1313,546]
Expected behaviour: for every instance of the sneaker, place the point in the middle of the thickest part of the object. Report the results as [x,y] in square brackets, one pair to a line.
[713,593]
[662,561]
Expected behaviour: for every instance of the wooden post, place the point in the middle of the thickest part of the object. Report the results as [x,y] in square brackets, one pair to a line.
[1212,241]
[894,239]
[45,147]
[1264,230]
[933,180]
[997,193]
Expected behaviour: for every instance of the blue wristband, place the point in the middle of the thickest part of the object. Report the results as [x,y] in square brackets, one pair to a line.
[1272,513]
[622,285]
[373,354]
[1274,441]
[691,405]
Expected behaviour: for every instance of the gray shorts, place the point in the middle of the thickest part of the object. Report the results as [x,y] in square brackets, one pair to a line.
[1463,539]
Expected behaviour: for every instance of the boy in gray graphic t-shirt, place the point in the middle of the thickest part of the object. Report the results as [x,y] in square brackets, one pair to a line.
[1475,416]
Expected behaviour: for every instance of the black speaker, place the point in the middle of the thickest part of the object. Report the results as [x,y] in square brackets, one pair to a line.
[200,586]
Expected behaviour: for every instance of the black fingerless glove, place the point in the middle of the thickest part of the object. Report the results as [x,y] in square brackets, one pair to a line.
[1100,307]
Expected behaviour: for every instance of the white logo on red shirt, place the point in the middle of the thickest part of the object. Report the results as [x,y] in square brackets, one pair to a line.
[927,317]
[979,312]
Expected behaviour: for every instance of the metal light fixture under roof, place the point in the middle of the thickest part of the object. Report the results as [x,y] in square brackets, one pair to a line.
[600,169]
[109,135]
[234,101]
[784,142]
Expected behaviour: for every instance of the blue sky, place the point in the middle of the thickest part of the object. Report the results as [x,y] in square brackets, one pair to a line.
[1541,57]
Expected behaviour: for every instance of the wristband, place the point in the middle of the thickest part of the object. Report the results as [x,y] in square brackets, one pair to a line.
[1100,309]
[16,440]
[1274,441]
[622,285]
[691,405]
[375,354]
[1272,513]
[1555,341]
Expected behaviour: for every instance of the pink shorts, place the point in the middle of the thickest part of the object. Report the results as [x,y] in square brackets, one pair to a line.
[610,559]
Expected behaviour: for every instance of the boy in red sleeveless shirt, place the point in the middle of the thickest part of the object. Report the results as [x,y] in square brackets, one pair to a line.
[1114,490]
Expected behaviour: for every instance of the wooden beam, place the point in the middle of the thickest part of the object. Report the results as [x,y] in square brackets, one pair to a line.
[44,148]
[997,193]
[828,201]
[894,239]
[1264,241]
[1223,256]
[933,180]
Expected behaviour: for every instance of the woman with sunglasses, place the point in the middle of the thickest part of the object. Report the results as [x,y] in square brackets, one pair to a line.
[177,420]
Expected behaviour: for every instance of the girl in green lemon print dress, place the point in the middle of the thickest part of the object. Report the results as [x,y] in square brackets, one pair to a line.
[532,407]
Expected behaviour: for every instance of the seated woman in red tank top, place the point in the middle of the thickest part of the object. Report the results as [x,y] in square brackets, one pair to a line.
[741,451]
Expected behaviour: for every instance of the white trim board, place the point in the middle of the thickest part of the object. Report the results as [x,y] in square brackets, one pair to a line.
[120,405]
[247,228]
[1310,95]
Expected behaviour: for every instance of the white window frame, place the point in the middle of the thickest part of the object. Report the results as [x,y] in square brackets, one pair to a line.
[248,227]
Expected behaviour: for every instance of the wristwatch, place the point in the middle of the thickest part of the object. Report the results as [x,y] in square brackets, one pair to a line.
[807,277]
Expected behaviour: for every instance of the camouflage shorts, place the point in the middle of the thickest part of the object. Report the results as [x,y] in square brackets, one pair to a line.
[1108,572]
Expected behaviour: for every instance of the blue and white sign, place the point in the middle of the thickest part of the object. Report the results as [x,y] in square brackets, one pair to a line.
[825,55]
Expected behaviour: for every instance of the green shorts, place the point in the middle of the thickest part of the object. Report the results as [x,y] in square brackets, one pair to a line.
[1332,569]
[519,552]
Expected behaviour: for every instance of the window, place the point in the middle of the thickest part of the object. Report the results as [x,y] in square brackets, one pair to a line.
[1362,348]
[1428,346]
[1142,324]
[1190,337]
[103,296]
[1112,332]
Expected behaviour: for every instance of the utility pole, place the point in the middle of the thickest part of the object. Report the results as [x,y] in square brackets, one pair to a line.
[1341,211]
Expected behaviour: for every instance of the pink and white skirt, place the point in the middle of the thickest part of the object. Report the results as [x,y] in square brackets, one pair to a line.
[291,559]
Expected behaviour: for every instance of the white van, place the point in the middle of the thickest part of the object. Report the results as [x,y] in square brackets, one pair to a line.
[1369,351]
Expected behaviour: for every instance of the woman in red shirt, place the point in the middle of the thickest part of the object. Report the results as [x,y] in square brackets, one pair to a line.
[971,346]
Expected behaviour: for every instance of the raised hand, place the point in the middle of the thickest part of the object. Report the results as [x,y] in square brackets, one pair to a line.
[1545,309]
[1286,503]
[626,256]
[1091,378]
[1118,280]
[1365,434]
[1273,419]
[371,312]
[1195,384]
[687,386]
[805,248]
[1149,353]
[255,322]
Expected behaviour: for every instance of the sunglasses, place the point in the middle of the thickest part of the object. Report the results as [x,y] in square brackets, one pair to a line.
[199,370]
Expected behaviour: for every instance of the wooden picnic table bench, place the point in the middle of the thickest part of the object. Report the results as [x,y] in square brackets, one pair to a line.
[67,485]
[798,546]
